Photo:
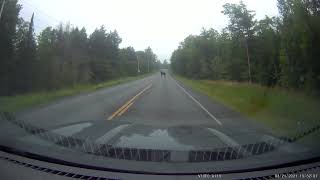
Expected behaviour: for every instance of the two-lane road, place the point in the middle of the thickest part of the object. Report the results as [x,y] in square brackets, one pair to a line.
[166,103]
[154,112]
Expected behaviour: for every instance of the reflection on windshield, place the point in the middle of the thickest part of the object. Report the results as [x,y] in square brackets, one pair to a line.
[158,139]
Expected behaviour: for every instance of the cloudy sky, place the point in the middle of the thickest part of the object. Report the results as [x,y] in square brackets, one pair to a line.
[160,24]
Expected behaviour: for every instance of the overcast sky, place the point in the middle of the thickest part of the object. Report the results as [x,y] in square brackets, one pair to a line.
[160,24]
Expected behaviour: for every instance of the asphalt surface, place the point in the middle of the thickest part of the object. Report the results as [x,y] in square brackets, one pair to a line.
[154,112]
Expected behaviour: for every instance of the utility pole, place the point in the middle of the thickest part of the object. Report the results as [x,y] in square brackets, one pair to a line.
[2,6]
[138,64]
[148,63]
[248,60]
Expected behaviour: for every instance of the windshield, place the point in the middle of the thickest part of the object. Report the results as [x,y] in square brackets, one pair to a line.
[170,86]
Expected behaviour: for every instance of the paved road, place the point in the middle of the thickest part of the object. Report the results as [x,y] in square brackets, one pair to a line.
[153,112]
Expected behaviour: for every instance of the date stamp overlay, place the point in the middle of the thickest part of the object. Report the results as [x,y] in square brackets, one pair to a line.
[297,176]
[276,176]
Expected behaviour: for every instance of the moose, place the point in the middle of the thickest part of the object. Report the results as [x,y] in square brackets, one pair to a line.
[163,74]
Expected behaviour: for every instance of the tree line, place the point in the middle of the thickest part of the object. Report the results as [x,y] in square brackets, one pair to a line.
[274,51]
[62,56]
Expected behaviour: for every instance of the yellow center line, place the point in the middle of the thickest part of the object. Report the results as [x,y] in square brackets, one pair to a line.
[128,103]
[125,109]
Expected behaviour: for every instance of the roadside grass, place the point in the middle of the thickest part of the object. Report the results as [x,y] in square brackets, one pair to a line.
[20,102]
[286,113]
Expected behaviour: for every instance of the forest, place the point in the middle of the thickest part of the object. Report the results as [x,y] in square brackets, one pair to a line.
[62,56]
[278,51]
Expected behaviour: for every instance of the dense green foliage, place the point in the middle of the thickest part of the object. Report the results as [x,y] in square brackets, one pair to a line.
[282,51]
[62,56]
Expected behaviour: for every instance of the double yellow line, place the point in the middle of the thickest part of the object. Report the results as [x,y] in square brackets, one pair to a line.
[127,105]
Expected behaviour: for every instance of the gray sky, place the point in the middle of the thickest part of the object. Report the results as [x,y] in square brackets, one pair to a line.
[160,24]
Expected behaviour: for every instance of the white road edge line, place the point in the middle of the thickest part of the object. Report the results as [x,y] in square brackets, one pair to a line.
[203,108]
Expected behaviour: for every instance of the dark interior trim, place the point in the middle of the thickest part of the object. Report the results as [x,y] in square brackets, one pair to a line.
[78,165]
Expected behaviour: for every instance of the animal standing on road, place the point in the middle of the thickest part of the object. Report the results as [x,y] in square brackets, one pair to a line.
[163,74]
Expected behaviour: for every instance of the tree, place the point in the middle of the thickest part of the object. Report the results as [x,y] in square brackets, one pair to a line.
[61,56]
[128,61]
[241,26]
[266,52]
[279,50]
[46,51]
[25,59]
[150,58]
[299,43]
[100,63]
[8,24]
[80,66]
